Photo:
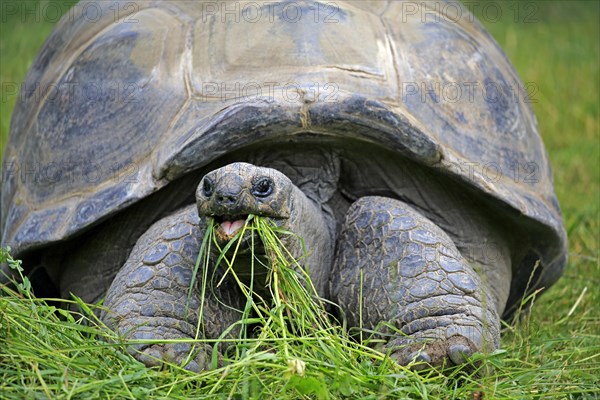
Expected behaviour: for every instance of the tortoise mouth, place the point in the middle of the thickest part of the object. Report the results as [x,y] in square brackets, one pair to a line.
[229,225]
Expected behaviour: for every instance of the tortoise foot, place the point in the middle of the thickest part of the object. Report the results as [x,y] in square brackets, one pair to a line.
[150,303]
[415,285]
[445,330]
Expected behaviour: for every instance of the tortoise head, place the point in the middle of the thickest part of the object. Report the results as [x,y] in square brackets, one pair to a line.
[231,193]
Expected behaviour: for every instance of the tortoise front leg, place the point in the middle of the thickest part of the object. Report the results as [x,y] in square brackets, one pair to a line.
[148,299]
[411,276]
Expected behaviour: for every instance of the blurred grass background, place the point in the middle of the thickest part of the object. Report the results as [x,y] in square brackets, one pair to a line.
[555,45]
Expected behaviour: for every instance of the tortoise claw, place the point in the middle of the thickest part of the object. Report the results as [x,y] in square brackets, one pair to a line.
[175,353]
[459,353]
[419,360]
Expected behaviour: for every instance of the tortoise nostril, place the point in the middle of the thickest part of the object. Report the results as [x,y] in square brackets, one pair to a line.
[226,199]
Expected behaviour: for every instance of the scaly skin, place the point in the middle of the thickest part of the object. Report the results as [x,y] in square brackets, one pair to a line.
[413,278]
[148,297]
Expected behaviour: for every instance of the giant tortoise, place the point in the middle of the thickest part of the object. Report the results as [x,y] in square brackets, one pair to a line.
[395,138]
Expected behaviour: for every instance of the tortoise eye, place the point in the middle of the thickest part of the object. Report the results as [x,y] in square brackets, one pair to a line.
[263,187]
[207,187]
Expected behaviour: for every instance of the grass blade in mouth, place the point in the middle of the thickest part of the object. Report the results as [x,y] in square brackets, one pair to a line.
[292,314]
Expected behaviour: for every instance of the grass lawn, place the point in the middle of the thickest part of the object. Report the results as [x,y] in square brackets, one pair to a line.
[554,353]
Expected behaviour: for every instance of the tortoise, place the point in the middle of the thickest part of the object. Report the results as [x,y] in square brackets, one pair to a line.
[397,140]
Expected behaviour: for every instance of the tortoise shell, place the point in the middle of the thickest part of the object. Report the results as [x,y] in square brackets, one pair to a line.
[124,98]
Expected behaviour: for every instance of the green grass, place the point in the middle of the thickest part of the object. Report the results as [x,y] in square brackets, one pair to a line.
[294,349]
[552,353]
